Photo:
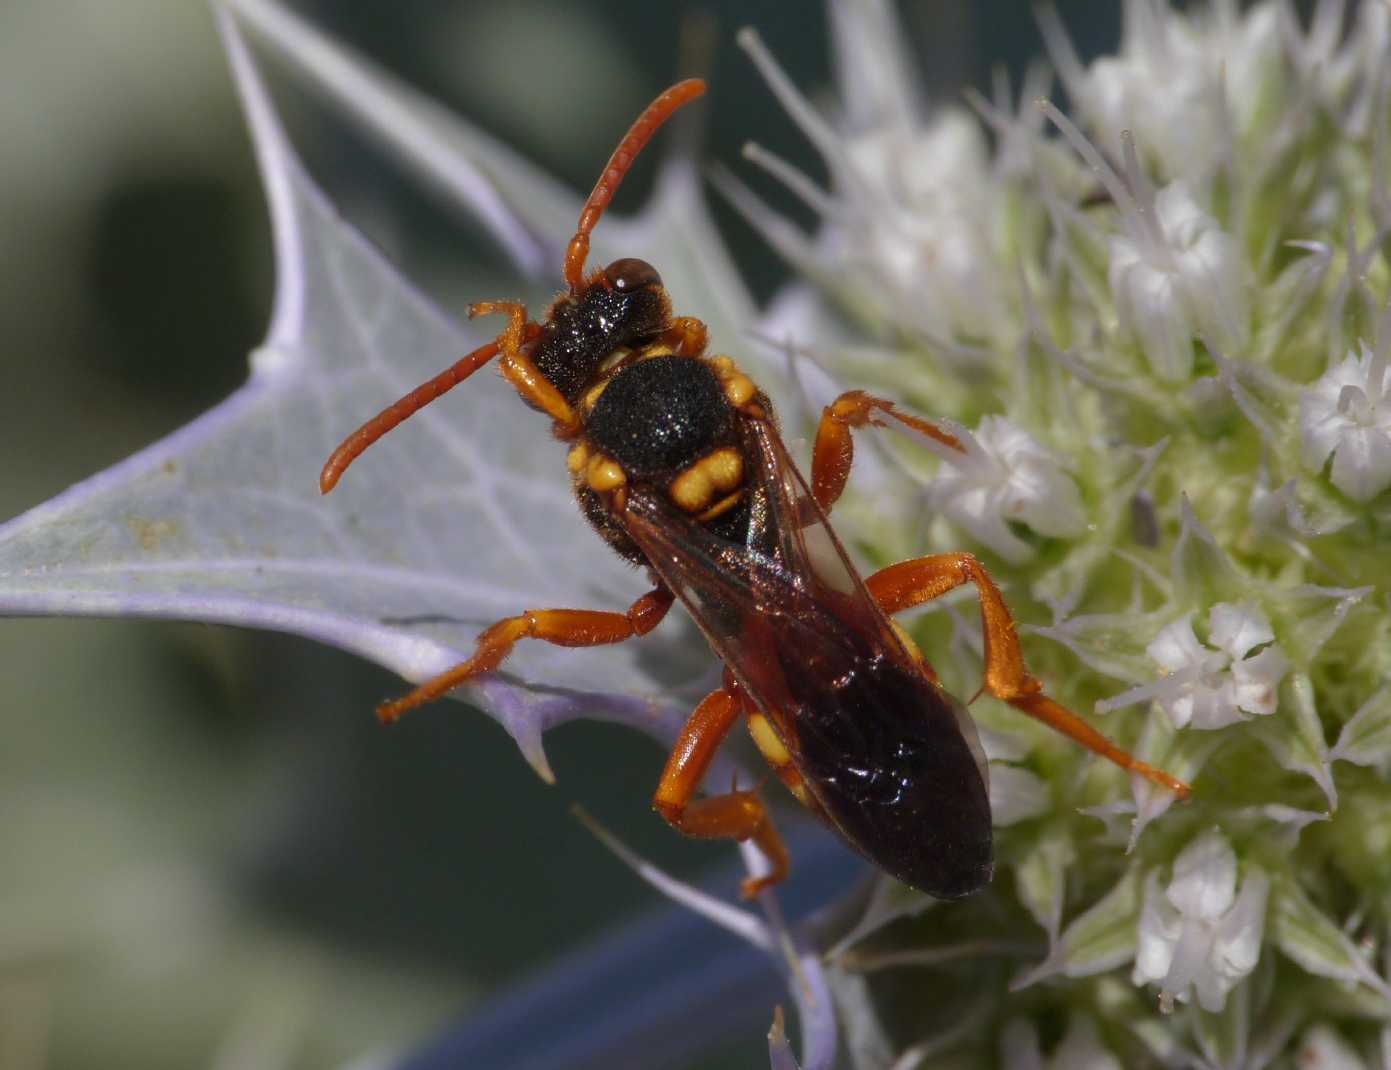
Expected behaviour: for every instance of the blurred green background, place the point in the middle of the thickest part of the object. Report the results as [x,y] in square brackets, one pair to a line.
[210,854]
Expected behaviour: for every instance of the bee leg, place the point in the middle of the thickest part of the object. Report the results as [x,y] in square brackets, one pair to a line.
[834,451]
[910,583]
[562,627]
[687,336]
[519,370]
[738,815]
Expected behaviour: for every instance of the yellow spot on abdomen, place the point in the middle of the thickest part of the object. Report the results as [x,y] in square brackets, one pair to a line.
[906,640]
[767,741]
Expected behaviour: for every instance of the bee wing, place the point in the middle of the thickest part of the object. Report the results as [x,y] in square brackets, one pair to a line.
[892,761]
[789,585]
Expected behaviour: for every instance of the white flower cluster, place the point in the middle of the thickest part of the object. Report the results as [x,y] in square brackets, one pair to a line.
[1006,476]
[1214,69]
[1217,684]
[1197,936]
[1113,325]
[1346,414]
[1175,276]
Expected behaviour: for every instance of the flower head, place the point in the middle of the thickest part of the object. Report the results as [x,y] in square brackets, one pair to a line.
[1215,684]
[919,221]
[1006,476]
[1180,278]
[1181,83]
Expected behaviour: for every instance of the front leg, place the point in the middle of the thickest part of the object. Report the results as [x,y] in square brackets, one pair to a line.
[687,336]
[562,627]
[520,371]
[911,583]
[834,451]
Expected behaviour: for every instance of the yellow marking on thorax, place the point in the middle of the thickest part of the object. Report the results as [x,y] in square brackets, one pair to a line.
[578,458]
[738,387]
[615,362]
[694,489]
[591,396]
[604,473]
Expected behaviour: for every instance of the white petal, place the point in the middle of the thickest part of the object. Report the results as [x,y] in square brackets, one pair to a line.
[1236,629]
[1321,1048]
[1046,499]
[1204,880]
[1321,421]
[1189,961]
[1215,707]
[1209,267]
[1256,681]
[1151,304]
[1180,709]
[975,509]
[1156,935]
[1346,412]
[1236,947]
[1362,463]
[1175,646]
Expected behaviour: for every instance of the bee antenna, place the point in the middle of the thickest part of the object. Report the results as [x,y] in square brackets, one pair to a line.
[638,135]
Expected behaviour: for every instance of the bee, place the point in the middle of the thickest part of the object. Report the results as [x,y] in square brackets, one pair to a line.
[676,461]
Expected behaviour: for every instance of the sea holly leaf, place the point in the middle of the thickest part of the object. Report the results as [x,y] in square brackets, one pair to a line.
[1297,740]
[1041,876]
[531,214]
[1366,738]
[1202,571]
[463,517]
[867,1043]
[1099,939]
[1313,940]
[780,1055]
[889,900]
[523,208]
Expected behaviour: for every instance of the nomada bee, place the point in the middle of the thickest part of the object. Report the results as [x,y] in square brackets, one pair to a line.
[676,462]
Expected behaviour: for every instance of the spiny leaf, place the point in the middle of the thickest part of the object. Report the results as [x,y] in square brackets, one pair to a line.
[461,517]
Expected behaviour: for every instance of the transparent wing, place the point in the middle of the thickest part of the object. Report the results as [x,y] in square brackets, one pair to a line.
[887,755]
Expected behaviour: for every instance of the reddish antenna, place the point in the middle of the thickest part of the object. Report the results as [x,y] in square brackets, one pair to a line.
[638,135]
[355,444]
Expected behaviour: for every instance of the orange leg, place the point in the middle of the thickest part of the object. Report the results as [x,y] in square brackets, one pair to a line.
[910,583]
[739,815]
[834,451]
[525,377]
[687,336]
[563,627]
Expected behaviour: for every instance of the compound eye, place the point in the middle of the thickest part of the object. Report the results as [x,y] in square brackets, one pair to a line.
[631,274]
